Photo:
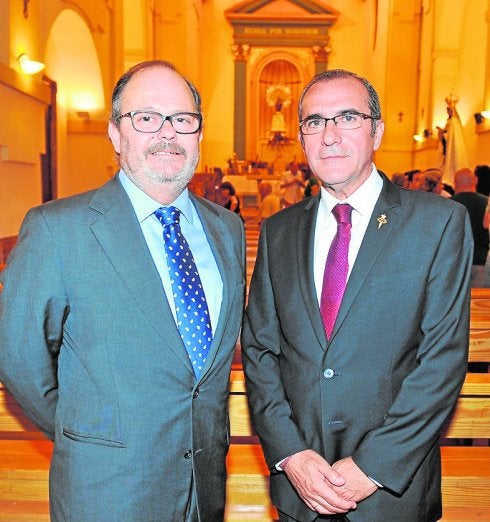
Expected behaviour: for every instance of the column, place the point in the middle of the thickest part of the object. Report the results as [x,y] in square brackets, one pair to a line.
[240,54]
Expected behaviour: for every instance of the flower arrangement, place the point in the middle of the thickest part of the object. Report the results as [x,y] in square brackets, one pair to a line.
[278,96]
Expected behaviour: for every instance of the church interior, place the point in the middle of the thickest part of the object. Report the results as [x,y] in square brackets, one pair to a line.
[250,59]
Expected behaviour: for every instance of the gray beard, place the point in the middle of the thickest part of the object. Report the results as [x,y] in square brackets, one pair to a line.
[180,179]
[174,182]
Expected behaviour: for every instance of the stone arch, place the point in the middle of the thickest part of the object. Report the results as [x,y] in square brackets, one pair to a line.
[269,68]
[70,49]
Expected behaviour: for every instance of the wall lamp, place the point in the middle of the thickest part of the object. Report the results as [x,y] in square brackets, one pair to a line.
[84,115]
[29,66]
[425,135]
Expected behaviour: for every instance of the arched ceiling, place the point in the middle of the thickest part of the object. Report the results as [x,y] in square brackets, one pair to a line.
[71,60]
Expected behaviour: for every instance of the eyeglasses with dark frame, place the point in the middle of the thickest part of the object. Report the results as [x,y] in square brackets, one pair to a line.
[150,121]
[347,120]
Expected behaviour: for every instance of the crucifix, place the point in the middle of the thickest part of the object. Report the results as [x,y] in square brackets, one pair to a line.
[26,9]
[400,116]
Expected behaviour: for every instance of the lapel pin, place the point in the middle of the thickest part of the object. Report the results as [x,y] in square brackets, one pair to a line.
[381,220]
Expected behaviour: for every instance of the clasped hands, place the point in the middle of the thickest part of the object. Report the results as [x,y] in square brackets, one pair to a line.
[328,489]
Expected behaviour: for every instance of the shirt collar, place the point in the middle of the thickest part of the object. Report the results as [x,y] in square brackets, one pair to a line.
[144,205]
[362,200]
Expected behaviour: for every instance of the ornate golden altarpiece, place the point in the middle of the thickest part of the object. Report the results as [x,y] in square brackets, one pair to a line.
[278,45]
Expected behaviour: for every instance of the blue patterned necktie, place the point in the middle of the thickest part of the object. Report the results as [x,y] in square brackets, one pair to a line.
[191,307]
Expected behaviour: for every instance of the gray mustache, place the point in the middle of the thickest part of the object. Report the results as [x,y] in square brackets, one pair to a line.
[166,147]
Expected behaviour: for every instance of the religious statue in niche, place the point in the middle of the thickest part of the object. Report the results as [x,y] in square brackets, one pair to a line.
[452,147]
[278,96]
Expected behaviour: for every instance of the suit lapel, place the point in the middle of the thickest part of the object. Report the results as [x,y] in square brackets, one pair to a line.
[305,250]
[221,245]
[372,245]
[119,234]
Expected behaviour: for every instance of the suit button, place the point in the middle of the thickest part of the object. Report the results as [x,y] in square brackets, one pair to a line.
[195,395]
[188,454]
[328,373]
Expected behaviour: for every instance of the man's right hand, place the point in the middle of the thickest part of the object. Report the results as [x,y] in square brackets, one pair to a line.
[314,480]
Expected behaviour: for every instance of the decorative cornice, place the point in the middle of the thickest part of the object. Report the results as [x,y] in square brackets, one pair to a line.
[262,23]
[256,9]
[320,53]
[240,52]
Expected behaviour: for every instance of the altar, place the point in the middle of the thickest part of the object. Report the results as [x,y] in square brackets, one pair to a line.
[280,155]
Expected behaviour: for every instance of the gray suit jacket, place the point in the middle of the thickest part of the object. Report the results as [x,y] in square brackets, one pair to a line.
[383,386]
[89,348]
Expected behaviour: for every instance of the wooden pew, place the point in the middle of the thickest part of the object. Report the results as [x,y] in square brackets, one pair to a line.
[466,477]
[248,475]
[24,463]
[466,468]
[13,423]
[24,468]
[480,293]
[247,491]
[25,453]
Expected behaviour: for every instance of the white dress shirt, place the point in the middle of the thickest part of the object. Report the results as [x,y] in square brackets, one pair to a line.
[192,228]
[362,201]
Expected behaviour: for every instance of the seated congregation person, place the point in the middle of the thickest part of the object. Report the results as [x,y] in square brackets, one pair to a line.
[400,179]
[482,172]
[415,178]
[269,202]
[292,185]
[231,201]
[475,203]
[432,182]
[312,187]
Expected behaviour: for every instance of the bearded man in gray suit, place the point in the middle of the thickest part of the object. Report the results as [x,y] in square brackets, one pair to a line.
[91,340]
[350,384]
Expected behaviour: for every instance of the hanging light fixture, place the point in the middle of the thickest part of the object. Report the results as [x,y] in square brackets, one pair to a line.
[29,66]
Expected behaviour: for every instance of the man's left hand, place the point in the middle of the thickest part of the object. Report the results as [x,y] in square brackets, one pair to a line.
[358,485]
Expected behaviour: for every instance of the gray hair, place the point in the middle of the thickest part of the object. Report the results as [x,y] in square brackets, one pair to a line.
[335,74]
[126,77]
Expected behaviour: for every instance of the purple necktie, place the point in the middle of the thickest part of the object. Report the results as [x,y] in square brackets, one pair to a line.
[336,268]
